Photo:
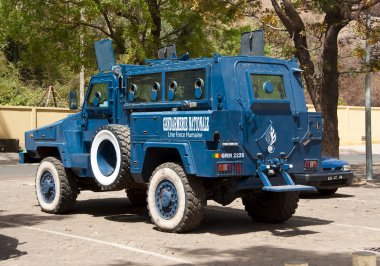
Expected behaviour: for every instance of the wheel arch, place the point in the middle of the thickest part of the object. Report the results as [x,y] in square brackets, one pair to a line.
[158,153]
[49,151]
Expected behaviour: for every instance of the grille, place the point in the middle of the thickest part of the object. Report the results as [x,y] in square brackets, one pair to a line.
[337,169]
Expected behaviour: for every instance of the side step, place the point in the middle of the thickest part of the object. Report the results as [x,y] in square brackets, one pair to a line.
[290,185]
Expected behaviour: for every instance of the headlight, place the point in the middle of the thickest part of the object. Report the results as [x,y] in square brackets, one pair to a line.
[346,168]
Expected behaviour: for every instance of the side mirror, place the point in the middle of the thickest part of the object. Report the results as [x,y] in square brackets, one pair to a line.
[73,100]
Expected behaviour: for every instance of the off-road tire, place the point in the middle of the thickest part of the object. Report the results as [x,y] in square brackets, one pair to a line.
[121,176]
[327,192]
[271,207]
[191,198]
[136,196]
[66,187]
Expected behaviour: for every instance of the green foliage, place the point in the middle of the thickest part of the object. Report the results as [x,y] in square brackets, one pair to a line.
[46,42]
[12,90]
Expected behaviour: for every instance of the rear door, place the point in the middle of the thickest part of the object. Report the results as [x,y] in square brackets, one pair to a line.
[271,127]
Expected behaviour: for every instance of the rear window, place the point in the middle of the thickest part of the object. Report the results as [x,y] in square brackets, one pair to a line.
[268,87]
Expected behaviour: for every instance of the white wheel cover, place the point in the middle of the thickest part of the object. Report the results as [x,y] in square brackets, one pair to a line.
[99,138]
[43,167]
[172,176]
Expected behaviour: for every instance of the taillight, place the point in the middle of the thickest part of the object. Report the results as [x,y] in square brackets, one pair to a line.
[230,168]
[310,165]
[238,168]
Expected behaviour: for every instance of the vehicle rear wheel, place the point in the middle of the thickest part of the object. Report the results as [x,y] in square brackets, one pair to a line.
[175,199]
[110,157]
[136,196]
[327,192]
[271,207]
[56,187]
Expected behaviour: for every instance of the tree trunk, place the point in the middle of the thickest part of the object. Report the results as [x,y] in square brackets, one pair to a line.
[155,14]
[330,85]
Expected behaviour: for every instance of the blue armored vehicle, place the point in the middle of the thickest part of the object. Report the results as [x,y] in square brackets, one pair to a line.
[177,132]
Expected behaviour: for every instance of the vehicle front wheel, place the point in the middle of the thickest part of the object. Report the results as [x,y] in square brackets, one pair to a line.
[175,199]
[56,187]
[271,207]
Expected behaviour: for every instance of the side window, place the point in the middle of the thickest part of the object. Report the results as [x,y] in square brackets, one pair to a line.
[186,85]
[98,95]
[268,87]
[144,88]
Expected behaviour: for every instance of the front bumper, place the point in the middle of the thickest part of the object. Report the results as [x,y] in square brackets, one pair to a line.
[327,180]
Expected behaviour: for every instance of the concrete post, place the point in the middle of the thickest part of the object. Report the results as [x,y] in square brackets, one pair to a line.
[33,119]
[368,88]
[363,258]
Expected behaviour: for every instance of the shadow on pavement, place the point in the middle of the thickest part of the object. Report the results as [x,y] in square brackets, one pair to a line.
[265,255]
[8,248]
[217,220]
[113,209]
[359,171]
[318,196]
[225,221]
[16,220]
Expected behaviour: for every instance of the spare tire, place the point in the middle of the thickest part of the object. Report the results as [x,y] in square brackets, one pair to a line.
[110,157]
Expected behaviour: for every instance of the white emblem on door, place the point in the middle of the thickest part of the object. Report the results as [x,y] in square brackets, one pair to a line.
[271,138]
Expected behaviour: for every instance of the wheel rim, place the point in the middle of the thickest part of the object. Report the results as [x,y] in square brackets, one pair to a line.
[47,186]
[106,158]
[166,199]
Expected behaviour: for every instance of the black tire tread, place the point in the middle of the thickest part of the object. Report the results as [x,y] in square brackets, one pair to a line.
[69,187]
[124,178]
[282,207]
[195,199]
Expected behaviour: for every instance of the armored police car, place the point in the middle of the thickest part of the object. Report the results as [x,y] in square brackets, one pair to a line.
[177,132]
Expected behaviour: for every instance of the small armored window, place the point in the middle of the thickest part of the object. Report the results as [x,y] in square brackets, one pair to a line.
[268,87]
[189,84]
[198,88]
[155,89]
[148,87]
[132,92]
[133,88]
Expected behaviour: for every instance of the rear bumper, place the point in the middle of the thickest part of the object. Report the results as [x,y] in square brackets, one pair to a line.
[324,180]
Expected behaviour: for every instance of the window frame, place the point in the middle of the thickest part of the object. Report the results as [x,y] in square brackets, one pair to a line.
[94,81]
[206,81]
[128,84]
[251,88]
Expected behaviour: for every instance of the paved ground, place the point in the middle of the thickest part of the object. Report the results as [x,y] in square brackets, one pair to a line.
[105,229]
